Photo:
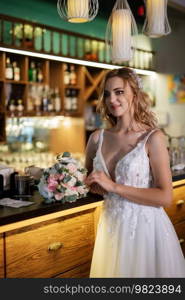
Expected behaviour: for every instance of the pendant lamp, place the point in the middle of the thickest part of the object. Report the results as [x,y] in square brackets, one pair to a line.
[156,23]
[120,33]
[77,11]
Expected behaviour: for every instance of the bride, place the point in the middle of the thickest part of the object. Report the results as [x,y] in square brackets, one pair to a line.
[129,164]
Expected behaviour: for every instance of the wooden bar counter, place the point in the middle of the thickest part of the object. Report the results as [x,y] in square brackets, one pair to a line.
[48,240]
[57,240]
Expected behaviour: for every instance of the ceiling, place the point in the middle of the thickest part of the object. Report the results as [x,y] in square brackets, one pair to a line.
[105,10]
[175,7]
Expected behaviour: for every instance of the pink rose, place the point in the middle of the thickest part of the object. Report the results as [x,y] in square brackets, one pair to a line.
[72,168]
[80,176]
[61,176]
[52,179]
[74,188]
[52,186]
[53,182]
[59,196]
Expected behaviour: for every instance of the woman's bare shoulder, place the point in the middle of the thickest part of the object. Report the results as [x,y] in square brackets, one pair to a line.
[156,140]
[94,137]
[156,136]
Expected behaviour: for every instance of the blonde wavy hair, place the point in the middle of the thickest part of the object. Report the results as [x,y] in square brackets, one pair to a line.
[142,103]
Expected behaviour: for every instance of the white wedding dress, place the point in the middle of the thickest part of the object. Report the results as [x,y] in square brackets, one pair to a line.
[134,240]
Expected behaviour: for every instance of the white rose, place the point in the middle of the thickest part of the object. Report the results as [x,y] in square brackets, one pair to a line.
[80,176]
[69,192]
[71,182]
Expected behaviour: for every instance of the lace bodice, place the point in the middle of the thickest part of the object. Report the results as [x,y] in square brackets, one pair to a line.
[132,169]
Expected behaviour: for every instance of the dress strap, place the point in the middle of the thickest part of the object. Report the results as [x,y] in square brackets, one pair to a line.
[147,136]
[100,141]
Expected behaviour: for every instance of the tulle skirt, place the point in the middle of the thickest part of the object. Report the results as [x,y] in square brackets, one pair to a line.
[143,246]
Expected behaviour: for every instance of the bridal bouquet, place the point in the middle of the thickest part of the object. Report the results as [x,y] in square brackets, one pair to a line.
[64,181]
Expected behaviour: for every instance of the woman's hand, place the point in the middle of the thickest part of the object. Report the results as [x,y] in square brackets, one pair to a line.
[95,188]
[102,180]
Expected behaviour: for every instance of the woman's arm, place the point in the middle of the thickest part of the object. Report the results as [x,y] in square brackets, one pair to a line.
[90,153]
[91,149]
[161,195]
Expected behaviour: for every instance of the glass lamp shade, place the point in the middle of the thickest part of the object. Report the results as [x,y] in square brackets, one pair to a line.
[156,22]
[77,11]
[120,33]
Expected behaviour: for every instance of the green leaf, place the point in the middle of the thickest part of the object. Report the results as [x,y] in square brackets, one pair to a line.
[67,178]
[71,198]
[48,200]
[83,170]
[66,154]
[63,200]
[63,189]
[79,183]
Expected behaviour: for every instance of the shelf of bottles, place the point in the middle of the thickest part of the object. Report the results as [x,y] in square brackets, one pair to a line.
[71,88]
[36,87]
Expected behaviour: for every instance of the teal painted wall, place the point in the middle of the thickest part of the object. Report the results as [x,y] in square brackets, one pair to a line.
[45,12]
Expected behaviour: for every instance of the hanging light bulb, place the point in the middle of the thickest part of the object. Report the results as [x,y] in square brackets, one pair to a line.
[156,23]
[120,32]
[77,11]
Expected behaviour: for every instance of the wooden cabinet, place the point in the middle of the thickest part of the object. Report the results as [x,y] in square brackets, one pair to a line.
[176,211]
[81,271]
[56,247]
[180,230]
[1,257]
[50,249]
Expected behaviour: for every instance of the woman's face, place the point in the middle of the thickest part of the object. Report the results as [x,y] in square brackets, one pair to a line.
[118,96]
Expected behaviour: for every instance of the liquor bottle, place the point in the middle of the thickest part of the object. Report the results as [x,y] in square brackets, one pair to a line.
[45,99]
[9,69]
[146,60]
[31,97]
[73,77]
[20,107]
[50,101]
[12,107]
[136,59]
[32,72]
[66,74]
[57,100]
[67,100]
[74,99]
[50,105]
[39,73]
[38,104]
[16,71]
[37,99]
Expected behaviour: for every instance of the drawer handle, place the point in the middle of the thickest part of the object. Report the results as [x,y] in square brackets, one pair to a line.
[181,241]
[180,202]
[55,246]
